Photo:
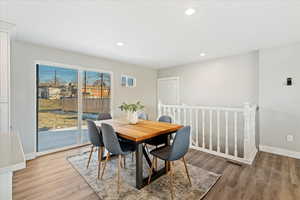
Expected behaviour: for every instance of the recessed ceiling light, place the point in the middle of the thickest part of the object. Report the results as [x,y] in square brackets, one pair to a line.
[202,54]
[190,11]
[120,44]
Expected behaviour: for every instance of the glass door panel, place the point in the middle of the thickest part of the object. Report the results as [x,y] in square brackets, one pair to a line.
[57,107]
[96,97]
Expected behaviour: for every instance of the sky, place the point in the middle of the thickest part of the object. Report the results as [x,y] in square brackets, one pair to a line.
[47,74]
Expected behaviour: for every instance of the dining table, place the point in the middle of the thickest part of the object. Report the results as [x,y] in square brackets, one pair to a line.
[139,133]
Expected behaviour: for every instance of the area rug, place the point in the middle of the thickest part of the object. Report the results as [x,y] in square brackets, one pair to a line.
[106,189]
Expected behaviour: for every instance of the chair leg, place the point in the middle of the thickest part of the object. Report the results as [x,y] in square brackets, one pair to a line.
[186,170]
[156,164]
[119,168]
[171,183]
[132,156]
[146,147]
[124,158]
[100,150]
[107,157]
[167,166]
[151,169]
[92,150]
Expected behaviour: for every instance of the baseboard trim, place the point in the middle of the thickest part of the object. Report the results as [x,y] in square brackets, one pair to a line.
[280,151]
[30,156]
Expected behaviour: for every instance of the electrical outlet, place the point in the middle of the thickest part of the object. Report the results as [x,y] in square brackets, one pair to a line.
[290,138]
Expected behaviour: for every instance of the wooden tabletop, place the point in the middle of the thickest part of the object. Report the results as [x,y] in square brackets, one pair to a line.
[144,129]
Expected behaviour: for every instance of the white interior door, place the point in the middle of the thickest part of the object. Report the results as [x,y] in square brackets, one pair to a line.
[168,90]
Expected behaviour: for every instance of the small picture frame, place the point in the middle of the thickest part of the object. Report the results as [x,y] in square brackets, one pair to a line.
[128,81]
[124,81]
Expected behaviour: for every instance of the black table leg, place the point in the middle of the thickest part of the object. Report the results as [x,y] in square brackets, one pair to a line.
[147,157]
[139,166]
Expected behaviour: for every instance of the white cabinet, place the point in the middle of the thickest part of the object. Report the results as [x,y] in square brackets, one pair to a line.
[11,152]
[5,30]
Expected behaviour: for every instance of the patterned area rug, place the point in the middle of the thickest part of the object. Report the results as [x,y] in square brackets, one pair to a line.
[202,180]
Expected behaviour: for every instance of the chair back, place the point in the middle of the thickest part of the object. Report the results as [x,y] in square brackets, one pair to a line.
[95,135]
[181,143]
[165,118]
[143,116]
[110,139]
[104,116]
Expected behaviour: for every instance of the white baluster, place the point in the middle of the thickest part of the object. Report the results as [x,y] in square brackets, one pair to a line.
[210,130]
[159,108]
[218,130]
[203,128]
[235,133]
[184,117]
[196,127]
[167,111]
[226,132]
[192,127]
[173,114]
[179,115]
[162,110]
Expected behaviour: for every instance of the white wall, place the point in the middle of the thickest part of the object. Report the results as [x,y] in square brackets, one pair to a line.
[229,81]
[23,83]
[279,104]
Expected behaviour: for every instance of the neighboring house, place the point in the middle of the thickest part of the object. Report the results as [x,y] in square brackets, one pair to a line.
[96,91]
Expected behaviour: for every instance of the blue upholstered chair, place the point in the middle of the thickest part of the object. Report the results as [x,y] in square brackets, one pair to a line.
[143,116]
[115,146]
[104,116]
[159,140]
[176,151]
[95,137]
[165,118]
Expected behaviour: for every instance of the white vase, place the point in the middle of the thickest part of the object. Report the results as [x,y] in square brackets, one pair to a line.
[132,117]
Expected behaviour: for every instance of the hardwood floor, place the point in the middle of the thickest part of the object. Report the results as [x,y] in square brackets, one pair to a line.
[271,177]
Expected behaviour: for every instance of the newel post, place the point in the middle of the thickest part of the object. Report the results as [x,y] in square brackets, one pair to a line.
[250,149]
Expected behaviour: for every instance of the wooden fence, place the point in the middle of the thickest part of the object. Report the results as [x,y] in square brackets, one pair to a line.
[89,105]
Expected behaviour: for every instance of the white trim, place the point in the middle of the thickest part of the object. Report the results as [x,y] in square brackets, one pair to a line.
[79,69]
[6,26]
[178,87]
[58,150]
[233,109]
[279,151]
[226,156]
[30,156]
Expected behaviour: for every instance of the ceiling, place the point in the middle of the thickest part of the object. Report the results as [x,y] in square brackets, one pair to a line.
[155,33]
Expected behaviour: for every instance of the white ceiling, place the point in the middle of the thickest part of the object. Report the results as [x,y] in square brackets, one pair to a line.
[155,33]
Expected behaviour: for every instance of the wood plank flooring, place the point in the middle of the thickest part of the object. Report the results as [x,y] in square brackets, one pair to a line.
[272,177]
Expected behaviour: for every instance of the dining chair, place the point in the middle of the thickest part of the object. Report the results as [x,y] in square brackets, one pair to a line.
[104,116]
[143,116]
[159,140]
[176,151]
[165,118]
[95,137]
[116,147]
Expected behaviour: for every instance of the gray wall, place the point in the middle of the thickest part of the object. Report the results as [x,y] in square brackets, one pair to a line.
[229,81]
[279,104]
[23,83]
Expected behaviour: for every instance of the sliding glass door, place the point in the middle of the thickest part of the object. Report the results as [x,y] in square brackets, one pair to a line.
[96,97]
[66,98]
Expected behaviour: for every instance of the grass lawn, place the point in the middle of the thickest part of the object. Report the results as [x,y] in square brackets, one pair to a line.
[49,119]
